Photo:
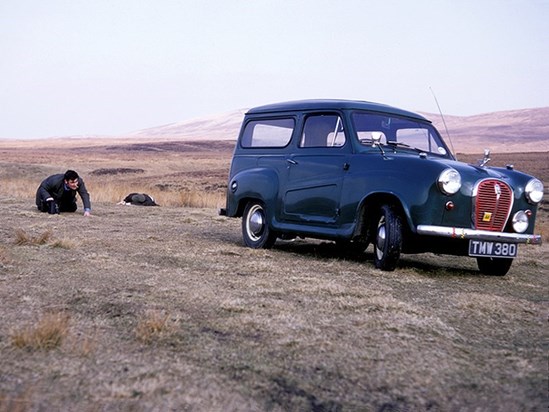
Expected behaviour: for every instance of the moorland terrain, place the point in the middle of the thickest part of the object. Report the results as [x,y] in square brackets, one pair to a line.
[163,308]
[512,131]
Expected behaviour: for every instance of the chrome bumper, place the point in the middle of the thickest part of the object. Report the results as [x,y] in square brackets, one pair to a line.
[463,233]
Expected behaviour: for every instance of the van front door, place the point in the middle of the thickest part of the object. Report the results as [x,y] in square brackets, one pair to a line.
[313,189]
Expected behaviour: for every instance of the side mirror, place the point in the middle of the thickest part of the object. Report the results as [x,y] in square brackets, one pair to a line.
[376,138]
[376,141]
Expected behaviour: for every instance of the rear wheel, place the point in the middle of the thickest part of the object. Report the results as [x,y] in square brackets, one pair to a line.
[494,266]
[388,239]
[255,228]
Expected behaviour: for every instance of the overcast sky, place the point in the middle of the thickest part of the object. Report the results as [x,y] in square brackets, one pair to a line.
[79,67]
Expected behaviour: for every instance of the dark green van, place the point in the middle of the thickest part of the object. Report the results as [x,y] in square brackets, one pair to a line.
[358,173]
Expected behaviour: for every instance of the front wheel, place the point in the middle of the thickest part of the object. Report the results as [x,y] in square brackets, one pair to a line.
[494,266]
[255,228]
[388,239]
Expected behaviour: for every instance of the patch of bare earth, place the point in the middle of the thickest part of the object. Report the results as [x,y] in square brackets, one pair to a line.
[167,310]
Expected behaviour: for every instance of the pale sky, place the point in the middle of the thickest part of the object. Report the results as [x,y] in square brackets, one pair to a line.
[107,67]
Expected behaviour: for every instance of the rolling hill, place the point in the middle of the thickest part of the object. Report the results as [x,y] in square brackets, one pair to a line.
[513,131]
[525,130]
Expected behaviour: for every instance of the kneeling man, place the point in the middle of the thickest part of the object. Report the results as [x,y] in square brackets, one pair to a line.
[57,194]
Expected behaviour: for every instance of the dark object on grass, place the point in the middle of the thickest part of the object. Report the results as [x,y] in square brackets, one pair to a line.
[138,199]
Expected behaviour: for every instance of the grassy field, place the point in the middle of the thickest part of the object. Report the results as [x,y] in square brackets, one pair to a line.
[163,308]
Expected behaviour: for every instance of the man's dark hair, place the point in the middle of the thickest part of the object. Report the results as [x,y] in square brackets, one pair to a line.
[70,175]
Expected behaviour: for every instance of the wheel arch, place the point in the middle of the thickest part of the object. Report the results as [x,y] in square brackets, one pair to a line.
[247,184]
[242,202]
[368,209]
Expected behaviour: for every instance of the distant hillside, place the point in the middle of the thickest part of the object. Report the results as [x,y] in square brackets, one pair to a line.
[512,131]
[224,126]
[525,130]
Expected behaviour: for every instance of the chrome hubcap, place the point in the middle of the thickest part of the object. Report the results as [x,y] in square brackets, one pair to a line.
[380,241]
[256,222]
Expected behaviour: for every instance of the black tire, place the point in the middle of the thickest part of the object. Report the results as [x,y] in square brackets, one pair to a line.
[388,239]
[255,228]
[494,266]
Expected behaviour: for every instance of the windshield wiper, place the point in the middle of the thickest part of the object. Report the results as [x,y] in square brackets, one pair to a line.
[401,144]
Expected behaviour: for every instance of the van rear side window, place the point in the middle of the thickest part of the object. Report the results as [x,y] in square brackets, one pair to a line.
[268,133]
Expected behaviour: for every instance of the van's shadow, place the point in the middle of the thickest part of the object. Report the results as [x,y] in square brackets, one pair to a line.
[330,250]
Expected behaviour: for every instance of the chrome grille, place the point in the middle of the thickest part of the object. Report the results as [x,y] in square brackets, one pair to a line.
[493,203]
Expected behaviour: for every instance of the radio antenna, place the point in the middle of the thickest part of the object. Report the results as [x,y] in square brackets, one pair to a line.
[444,122]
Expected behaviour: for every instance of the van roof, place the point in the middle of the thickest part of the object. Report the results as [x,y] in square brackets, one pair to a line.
[332,104]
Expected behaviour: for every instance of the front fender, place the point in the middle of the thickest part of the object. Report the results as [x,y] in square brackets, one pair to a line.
[400,179]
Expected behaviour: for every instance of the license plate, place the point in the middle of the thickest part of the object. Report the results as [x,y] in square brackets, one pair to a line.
[493,249]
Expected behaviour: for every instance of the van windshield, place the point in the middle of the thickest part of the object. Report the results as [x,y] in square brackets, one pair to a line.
[400,132]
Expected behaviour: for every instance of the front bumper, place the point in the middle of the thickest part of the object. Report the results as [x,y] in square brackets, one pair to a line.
[463,233]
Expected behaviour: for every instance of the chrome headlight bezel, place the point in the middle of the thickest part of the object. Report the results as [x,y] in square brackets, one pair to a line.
[520,221]
[449,181]
[534,191]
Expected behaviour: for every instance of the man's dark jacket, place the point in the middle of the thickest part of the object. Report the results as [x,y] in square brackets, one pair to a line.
[54,186]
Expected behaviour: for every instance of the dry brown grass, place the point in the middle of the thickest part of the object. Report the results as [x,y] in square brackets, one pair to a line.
[297,327]
[542,227]
[154,326]
[23,238]
[170,180]
[64,243]
[5,255]
[83,344]
[15,403]
[197,197]
[48,333]
[113,192]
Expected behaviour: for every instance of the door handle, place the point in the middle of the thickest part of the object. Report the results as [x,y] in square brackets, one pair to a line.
[346,166]
[291,161]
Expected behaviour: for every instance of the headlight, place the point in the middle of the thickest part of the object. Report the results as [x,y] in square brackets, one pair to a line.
[534,191]
[520,222]
[449,181]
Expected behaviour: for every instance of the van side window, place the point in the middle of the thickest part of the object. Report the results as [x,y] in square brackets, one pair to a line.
[323,131]
[268,133]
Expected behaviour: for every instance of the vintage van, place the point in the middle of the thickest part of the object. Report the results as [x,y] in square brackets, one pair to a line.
[361,173]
